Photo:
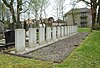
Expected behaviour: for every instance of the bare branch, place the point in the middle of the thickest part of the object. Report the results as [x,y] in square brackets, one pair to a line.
[5,2]
[86,2]
[24,3]
[1,21]
[24,11]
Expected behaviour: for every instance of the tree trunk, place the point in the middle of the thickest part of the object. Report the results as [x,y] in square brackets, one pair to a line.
[98,17]
[13,15]
[93,18]
[41,16]
[93,12]
[18,17]
[11,7]
[2,14]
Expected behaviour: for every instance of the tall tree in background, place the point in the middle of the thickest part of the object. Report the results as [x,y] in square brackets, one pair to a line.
[39,7]
[94,4]
[44,4]
[14,13]
[11,7]
[19,8]
[2,12]
[56,10]
[73,3]
[98,15]
[4,15]
[60,7]
[35,7]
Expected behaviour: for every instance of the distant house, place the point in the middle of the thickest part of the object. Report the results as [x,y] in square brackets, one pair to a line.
[45,22]
[82,17]
[59,22]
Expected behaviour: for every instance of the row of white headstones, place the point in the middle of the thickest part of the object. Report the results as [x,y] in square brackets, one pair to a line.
[43,35]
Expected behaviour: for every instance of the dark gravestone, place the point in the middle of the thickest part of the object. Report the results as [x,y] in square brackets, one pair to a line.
[9,38]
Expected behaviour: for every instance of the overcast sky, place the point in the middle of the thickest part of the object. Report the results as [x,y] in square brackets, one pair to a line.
[51,12]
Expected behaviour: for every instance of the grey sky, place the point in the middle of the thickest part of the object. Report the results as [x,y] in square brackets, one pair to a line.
[50,12]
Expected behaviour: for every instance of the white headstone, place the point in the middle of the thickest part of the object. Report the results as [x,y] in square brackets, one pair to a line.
[41,35]
[32,37]
[53,33]
[65,30]
[68,30]
[72,29]
[19,40]
[76,29]
[48,34]
[58,32]
[62,31]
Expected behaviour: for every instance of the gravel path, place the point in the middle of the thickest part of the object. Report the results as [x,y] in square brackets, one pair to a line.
[59,50]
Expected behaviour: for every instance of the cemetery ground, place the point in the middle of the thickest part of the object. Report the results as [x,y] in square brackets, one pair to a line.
[87,55]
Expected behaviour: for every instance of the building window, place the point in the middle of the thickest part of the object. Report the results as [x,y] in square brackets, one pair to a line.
[83,19]
[83,13]
[83,24]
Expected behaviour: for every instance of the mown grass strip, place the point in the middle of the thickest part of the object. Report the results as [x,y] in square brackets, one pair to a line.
[87,55]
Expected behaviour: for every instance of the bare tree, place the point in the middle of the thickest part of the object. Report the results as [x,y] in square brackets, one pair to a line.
[2,12]
[73,3]
[44,5]
[94,4]
[60,7]
[14,13]
[35,7]
[39,7]
[56,9]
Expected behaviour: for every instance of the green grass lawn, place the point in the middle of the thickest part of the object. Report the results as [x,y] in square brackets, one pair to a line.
[87,55]
[84,30]
[8,61]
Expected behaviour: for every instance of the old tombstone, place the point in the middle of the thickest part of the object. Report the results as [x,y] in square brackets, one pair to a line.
[32,37]
[65,30]
[54,33]
[48,34]
[76,29]
[72,29]
[62,31]
[19,40]
[9,38]
[58,32]
[41,35]
[68,30]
